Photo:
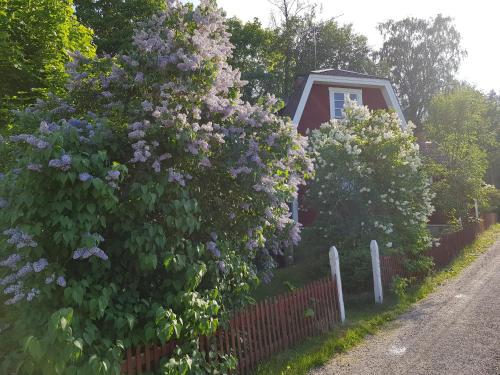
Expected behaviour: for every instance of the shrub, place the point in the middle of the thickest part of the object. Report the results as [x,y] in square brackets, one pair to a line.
[369,184]
[144,205]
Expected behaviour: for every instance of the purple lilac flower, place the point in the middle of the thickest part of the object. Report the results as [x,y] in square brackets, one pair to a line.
[205,162]
[19,238]
[147,106]
[174,176]
[84,177]
[139,77]
[63,164]
[11,261]
[15,299]
[16,170]
[61,281]
[236,171]
[212,247]
[31,140]
[32,294]
[40,265]
[14,288]
[222,265]
[8,279]
[34,167]
[107,94]
[84,253]
[24,270]
[2,176]
[113,175]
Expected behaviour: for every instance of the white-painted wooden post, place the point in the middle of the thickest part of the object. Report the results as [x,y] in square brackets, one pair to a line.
[377,279]
[335,268]
[476,208]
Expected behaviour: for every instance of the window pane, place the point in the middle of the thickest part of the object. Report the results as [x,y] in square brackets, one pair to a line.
[338,112]
[353,97]
[339,104]
[338,96]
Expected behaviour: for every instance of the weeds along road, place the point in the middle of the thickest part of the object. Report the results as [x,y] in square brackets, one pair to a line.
[455,330]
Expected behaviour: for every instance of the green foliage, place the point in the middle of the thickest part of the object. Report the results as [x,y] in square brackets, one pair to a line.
[420,57]
[36,37]
[113,21]
[271,58]
[369,184]
[460,133]
[143,205]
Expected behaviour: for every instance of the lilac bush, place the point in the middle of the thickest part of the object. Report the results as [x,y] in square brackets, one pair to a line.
[370,184]
[157,199]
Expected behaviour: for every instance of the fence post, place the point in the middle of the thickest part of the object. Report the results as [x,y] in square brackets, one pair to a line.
[377,280]
[476,209]
[335,268]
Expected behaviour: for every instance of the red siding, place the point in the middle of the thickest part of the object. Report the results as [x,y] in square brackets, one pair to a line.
[317,109]
[317,112]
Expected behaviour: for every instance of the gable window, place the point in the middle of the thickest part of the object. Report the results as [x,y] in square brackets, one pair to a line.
[338,97]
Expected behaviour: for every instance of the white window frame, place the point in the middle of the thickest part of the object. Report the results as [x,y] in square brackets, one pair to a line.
[346,92]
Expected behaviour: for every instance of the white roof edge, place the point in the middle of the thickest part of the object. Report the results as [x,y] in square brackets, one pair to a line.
[387,92]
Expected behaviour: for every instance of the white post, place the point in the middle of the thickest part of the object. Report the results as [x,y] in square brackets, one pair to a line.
[335,268]
[377,280]
[476,208]
[295,210]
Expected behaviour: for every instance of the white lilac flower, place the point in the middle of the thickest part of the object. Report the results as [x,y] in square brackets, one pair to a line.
[388,244]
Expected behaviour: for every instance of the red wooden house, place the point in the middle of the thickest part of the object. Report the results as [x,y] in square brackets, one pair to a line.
[320,95]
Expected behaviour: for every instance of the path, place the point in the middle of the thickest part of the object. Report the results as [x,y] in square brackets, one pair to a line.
[455,331]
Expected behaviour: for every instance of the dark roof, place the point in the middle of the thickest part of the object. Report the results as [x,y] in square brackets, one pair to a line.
[293,102]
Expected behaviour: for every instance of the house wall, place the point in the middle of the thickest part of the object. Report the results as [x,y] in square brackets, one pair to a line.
[317,109]
[317,112]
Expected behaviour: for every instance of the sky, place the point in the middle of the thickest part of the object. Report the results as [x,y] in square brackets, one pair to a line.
[477,21]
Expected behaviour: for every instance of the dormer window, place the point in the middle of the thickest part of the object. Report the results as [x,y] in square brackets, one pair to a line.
[338,97]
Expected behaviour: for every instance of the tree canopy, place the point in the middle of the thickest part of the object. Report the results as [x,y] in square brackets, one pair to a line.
[113,21]
[36,38]
[421,58]
[461,134]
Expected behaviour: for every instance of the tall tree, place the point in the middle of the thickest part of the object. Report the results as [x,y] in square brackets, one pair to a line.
[459,128]
[421,57]
[255,57]
[36,37]
[113,21]
[271,58]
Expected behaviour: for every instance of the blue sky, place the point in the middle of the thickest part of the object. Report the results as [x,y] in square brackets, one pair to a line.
[477,21]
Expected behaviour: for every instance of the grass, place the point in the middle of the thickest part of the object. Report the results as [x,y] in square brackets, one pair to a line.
[311,263]
[366,318]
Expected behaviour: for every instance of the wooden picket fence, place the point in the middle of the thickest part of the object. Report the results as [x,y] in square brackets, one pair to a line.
[450,246]
[258,331]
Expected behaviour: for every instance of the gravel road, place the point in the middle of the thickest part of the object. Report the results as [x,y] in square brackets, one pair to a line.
[455,330]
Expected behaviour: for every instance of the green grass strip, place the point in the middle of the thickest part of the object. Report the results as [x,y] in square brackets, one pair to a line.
[367,319]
